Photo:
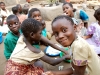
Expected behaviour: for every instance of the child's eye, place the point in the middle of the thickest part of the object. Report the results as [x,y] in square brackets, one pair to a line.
[10,25]
[56,34]
[16,23]
[64,30]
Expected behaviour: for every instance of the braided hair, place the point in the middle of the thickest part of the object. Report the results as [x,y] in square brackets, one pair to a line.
[63,17]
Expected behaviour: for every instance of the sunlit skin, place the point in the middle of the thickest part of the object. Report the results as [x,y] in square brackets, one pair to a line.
[2,6]
[14,25]
[68,10]
[37,15]
[64,32]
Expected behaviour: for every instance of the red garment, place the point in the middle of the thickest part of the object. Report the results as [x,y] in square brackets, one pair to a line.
[67,0]
[13,68]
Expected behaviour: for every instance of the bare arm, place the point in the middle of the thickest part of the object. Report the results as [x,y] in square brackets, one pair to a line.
[53,61]
[79,70]
[45,40]
[3,17]
[88,36]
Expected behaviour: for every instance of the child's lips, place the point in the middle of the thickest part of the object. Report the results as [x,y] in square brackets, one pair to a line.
[62,41]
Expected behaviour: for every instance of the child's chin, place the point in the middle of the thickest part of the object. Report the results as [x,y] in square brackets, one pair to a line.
[64,45]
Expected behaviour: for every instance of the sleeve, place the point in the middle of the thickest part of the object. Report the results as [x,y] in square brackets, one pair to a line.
[8,48]
[83,15]
[80,56]
[91,29]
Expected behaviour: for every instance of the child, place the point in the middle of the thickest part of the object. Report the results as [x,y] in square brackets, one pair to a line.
[19,8]
[24,54]
[82,54]
[36,14]
[25,9]
[21,17]
[81,30]
[12,36]
[77,14]
[4,13]
[93,33]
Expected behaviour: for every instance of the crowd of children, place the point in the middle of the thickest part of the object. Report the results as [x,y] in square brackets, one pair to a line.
[26,31]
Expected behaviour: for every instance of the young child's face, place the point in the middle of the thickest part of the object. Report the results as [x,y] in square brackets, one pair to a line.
[64,32]
[25,11]
[20,9]
[14,25]
[37,16]
[37,36]
[68,10]
[2,6]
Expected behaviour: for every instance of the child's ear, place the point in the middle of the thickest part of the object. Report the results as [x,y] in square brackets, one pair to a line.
[75,27]
[32,35]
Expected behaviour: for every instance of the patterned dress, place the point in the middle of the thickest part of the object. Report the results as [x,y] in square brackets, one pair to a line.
[94,29]
[22,59]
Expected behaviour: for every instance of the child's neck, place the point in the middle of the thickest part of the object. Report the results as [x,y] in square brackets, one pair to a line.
[18,14]
[99,23]
[28,40]
[4,9]
[17,34]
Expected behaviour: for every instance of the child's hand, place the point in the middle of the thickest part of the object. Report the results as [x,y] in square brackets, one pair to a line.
[47,73]
[3,17]
[84,37]
[66,52]
[68,57]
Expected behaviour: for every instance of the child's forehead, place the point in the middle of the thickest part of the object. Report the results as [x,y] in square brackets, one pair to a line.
[13,20]
[36,11]
[2,4]
[63,22]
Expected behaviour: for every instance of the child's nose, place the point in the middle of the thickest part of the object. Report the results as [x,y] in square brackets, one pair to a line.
[61,35]
[37,18]
[14,25]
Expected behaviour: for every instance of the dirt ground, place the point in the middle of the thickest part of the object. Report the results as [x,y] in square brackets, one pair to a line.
[48,67]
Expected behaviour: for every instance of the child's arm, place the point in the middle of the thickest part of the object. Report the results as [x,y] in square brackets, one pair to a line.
[45,58]
[79,70]
[88,36]
[3,17]
[45,40]
[53,61]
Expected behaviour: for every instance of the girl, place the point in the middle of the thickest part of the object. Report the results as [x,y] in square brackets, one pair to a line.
[36,14]
[77,14]
[82,54]
[93,33]
[24,54]
[4,13]
[81,30]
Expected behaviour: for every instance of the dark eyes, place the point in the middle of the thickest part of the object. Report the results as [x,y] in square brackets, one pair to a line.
[10,25]
[63,30]
[16,23]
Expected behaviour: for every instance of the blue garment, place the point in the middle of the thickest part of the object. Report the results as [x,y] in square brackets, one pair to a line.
[83,15]
[44,32]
